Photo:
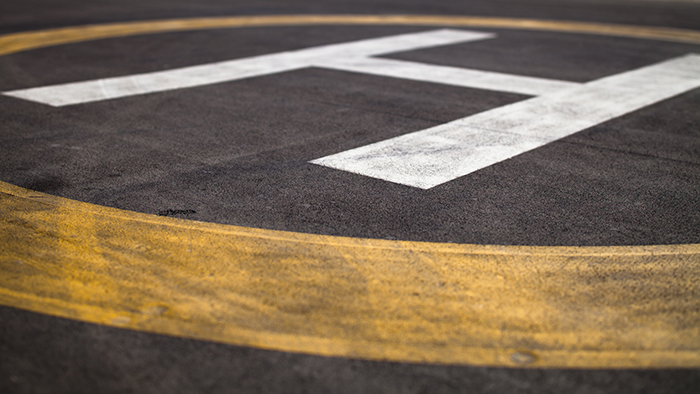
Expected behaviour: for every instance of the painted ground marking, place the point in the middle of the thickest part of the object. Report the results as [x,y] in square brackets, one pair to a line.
[433,156]
[591,307]
[430,157]
[352,56]
[112,88]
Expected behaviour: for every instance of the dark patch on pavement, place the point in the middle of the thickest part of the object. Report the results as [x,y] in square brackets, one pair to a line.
[50,184]
[174,212]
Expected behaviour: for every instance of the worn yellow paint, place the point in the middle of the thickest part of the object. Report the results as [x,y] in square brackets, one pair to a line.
[634,306]
[591,307]
[30,40]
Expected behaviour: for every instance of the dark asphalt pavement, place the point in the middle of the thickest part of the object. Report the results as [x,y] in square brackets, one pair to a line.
[238,152]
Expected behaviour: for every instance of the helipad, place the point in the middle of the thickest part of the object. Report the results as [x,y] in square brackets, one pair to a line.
[513,296]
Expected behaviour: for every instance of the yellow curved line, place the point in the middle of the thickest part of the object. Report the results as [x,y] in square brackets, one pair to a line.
[36,39]
[526,306]
[532,306]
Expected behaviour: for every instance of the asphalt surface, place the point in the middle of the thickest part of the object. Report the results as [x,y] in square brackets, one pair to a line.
[238,152]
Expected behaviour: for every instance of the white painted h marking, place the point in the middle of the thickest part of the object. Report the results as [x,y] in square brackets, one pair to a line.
[430,157]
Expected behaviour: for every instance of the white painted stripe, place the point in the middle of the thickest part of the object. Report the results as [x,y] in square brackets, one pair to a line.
[450,75]
[430,157]
[393,44]
[118,87]
[111,88]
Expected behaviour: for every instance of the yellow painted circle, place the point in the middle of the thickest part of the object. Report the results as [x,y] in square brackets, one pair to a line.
[29,40]
[524,306]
